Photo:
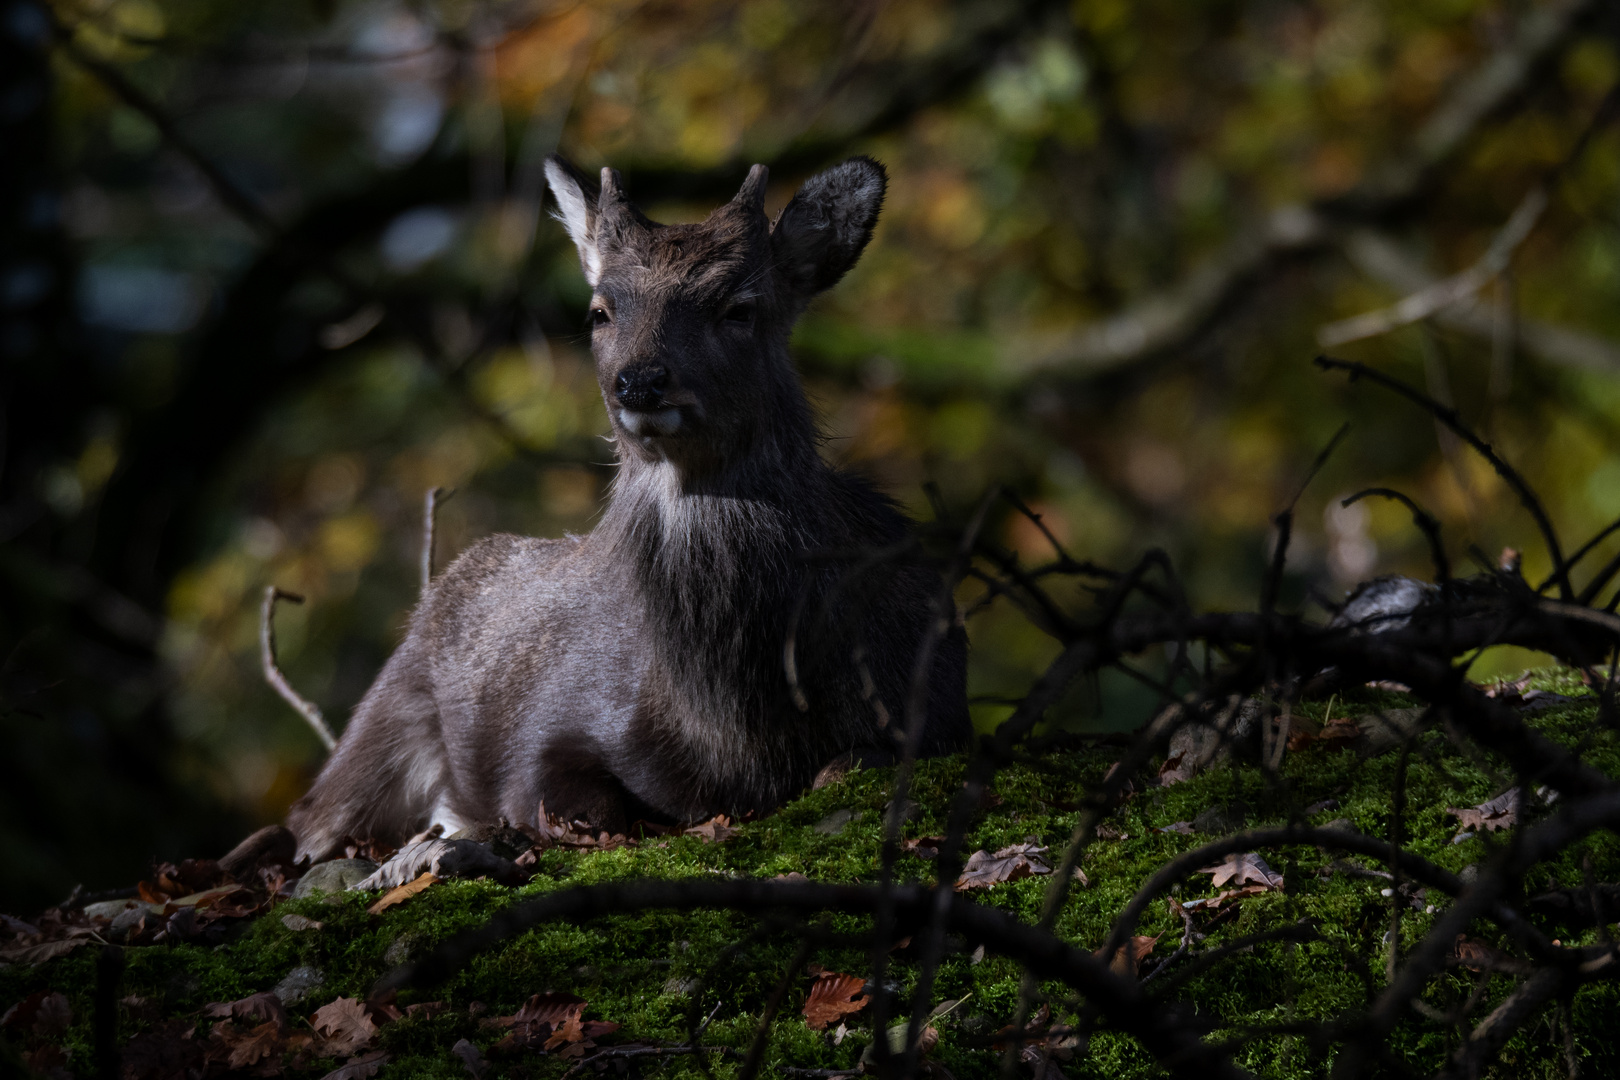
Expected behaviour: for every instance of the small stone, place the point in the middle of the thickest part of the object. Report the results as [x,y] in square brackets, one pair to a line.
[682,985]
[1222,819]
[835,822]
[300,982]
[300,923]
[333,877]
[399,951]
[130,920]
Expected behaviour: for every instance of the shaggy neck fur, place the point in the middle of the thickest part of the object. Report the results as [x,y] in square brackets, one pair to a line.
[719,566]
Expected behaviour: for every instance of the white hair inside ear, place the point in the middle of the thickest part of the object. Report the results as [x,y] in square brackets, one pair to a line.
[578,217]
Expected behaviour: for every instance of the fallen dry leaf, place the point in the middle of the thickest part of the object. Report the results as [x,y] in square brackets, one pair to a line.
[344,1025]
[1175,769]
[833,997]
[240,1048]
[1128,960]
[401,894]
[258,1008]
[471,1059]
[44,1013]
[924,847]
[1242,869]
[714,830]
[550,1021]
[1214,903]
[24,953]
[1501,812]
[426,1010]
[554,832]
[1009,864]
[360,1068]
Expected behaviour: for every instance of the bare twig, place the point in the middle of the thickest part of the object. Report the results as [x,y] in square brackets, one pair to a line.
[1449,417]
[272,673]
[1157,323]
[1443,294]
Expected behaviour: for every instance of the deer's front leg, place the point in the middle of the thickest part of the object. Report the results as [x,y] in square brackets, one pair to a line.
[575,785]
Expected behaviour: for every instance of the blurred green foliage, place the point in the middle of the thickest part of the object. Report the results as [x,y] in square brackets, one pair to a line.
[241,413]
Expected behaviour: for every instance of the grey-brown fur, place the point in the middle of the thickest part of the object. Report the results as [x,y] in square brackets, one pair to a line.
[640,670]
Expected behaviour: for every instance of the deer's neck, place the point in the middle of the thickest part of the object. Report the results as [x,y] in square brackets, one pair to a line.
[718,568]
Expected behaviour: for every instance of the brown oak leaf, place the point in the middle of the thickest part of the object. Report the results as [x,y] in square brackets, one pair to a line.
[533,1025]
[401,894]
[1128,960]
[1476,955]
[1011,863]
[714,830]
[44,1013]
[239,1048]
[1175,769]
[256,1007]
[344,1026]
[1501,812]
[24,953]
[1243,869]
[834,996]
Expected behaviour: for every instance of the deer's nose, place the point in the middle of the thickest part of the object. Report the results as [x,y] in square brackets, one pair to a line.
[642,388]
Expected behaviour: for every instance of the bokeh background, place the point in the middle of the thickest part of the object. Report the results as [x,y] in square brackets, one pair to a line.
[270,271]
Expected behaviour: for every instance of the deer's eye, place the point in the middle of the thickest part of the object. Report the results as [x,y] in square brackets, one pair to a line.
[741,313]
[599,316]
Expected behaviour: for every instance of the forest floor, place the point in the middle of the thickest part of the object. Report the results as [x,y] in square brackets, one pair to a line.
[623,993]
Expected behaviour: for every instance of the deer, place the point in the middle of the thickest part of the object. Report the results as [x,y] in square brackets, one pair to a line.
[691,655]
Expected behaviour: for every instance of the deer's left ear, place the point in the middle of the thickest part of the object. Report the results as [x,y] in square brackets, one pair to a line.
[821,233]
[576,208]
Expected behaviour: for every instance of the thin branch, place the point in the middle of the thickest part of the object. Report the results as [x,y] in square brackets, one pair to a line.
[1449,417]
[272,673]
[1379,257]
[1443,294]
[1426,522]
[1158,323]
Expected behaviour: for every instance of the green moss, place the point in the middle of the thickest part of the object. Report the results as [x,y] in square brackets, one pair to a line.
[637,970]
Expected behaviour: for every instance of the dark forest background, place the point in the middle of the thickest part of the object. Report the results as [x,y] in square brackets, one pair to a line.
[271,271]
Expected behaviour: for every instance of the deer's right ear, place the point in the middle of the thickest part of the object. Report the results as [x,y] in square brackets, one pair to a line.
[576,199]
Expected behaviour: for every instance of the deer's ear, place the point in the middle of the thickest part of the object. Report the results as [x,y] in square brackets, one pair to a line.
[576,199]
[823,230]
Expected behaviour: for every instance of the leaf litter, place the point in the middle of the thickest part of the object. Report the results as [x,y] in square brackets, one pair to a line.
[1501,812]
[834,996]
[1011,863]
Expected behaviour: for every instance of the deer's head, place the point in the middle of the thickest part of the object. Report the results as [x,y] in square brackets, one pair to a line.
[690,323]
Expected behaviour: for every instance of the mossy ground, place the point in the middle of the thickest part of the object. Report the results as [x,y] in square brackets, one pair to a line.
[637,970]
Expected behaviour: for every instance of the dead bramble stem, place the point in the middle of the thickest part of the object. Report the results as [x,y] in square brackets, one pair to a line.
[273,674]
